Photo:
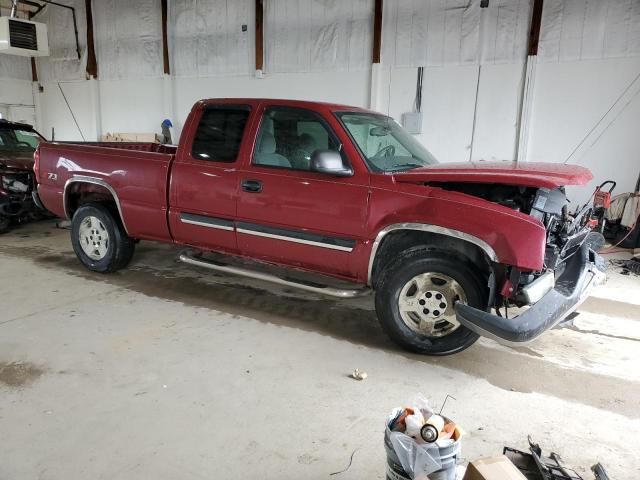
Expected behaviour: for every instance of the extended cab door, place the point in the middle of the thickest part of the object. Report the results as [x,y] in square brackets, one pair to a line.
[289,214]
[204,177]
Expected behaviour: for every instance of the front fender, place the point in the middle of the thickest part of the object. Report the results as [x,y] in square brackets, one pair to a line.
[505,235]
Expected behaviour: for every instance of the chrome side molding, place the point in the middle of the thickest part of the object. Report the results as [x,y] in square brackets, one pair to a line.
[423,227]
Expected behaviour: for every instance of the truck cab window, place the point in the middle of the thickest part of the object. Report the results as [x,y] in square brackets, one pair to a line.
[289,136]
[220,133]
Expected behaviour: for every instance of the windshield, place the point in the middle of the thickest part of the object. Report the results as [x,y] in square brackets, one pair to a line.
[385,145]
[18,140]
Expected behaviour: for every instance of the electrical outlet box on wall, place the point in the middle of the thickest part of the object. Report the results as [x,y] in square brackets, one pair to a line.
[412,122]
[24,38]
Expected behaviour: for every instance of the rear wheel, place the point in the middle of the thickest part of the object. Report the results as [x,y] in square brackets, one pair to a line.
[416,296]
[99,239]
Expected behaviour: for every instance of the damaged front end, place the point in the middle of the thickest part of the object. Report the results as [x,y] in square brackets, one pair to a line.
[16,201]
[571,269]
[18,142]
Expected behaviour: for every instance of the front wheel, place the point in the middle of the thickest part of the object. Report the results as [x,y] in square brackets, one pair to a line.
[416,296]
[5,223]
[99,239]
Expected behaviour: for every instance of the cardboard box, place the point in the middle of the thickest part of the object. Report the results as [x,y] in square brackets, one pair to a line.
[493,468]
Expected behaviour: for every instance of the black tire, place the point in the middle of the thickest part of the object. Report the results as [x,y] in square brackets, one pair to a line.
[413,262]
[5,224]
[120,247]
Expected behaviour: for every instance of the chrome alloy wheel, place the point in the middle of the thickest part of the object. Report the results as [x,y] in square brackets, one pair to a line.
[427,303]
[94,238]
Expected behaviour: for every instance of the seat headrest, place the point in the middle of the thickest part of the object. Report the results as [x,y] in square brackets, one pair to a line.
[267,143]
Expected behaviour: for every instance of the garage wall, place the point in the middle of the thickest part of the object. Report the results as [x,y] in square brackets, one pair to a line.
[586,96]
[607,143]
[318,36]
[66,111]
[350,87]
[211,56]
[586,104]
[473,59]
[16,97]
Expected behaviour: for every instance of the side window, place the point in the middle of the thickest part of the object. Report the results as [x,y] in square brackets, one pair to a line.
[220,133]
[289,136]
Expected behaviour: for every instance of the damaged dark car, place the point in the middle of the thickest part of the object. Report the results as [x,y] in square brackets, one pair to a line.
[18,141]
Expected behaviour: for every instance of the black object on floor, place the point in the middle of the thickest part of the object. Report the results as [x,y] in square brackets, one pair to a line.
[535,466]
[599,472]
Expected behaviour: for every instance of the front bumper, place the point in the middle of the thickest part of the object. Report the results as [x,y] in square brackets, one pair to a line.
[584,270]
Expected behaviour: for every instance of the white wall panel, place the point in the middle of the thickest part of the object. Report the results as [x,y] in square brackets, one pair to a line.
[134,105]
[57,115]
[63,62]
[22,114]
[569,101]
[505,34]
[448,98]
[317,35]
[207,37]
[449,32]
[128,36]
[497,114]
[15,92]
[14,67]
[589,29]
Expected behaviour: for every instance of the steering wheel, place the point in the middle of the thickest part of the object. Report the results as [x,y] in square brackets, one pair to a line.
[386,152]
[24,144]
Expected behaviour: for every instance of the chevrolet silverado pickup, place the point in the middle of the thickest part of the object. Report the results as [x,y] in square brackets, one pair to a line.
[341,201]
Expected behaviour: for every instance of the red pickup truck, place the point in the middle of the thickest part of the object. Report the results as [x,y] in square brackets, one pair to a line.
[342,201]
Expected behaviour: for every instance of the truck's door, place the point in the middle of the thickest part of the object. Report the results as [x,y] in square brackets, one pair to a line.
[288,214]
[204,178]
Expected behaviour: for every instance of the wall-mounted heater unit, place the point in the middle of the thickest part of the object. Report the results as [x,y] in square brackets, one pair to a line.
[22,37]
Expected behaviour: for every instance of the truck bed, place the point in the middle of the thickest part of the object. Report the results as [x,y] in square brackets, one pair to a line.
[138,172]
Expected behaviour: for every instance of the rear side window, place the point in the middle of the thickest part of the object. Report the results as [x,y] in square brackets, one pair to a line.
[220,133]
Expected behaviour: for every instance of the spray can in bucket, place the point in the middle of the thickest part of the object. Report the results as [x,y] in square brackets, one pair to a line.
[421,444]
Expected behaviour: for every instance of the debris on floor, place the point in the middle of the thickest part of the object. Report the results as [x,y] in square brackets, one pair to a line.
[348,466]
[599,472]
[627,267]
[632,266]
[536,466]
[421,444]
[358,374]
[63,224]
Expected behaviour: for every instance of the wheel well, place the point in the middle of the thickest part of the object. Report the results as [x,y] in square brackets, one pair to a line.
[80,193]
[399,241]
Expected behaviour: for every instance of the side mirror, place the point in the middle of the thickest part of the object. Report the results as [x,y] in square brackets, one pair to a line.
[330,162]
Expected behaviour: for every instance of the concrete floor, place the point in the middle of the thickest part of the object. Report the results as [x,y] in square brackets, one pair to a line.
[163,371]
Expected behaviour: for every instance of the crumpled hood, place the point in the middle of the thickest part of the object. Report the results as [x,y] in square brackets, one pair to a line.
[529,174]
[17,160]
